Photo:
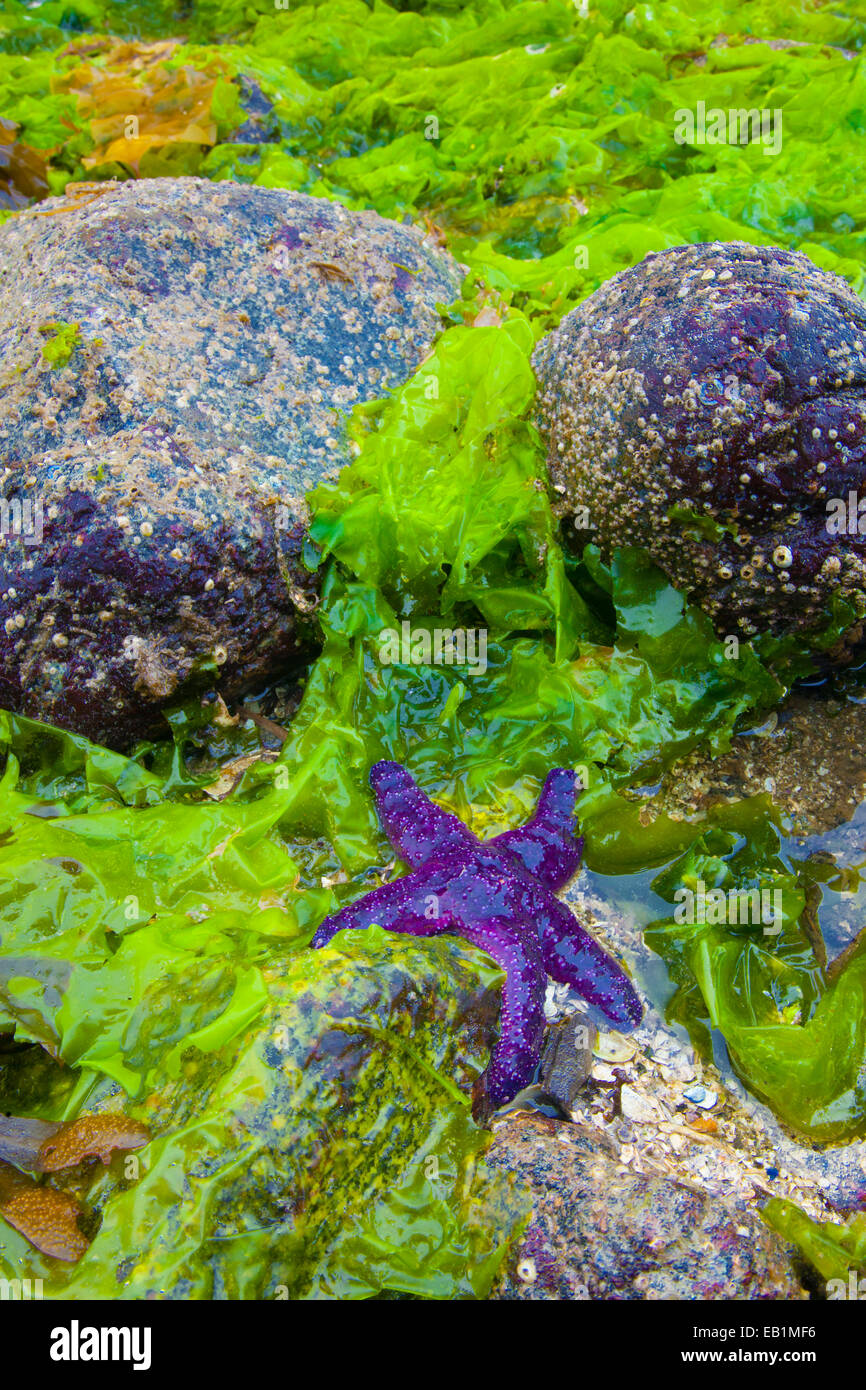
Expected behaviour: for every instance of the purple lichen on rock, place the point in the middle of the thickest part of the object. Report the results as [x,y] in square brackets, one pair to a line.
[709,404]
[156,447]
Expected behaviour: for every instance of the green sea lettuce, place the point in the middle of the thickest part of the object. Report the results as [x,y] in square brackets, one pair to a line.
[412,111]
[794,1033]
[836,1249]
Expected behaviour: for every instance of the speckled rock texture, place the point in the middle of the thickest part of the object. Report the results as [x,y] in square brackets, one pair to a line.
[154,517]
[598,1231]
[707,405]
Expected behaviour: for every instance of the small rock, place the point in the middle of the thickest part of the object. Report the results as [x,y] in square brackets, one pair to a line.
[600,1233]
[603,1072]
[678,1073]
[642,1109]
[702,1096]
[567,1060]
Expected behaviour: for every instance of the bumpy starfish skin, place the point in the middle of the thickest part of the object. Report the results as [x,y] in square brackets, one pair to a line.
[498,895]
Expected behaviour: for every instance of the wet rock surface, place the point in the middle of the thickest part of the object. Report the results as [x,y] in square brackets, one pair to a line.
[707,404]
[276,1156]
[566,1061]
[178,359]
[600,1231]
[809,755]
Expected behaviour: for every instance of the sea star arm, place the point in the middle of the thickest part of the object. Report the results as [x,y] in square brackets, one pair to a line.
[416,827]
[546,845]
[387,906]
[521,1019]
[573,957]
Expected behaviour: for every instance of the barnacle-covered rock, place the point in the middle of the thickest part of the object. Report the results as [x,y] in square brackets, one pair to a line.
[602,1231]
[178,359]
[710,405]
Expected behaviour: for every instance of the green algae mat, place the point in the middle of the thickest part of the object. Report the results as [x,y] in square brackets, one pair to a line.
[310,1111]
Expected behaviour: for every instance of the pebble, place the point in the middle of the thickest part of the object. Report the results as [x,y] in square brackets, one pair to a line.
[702,1096]
[640,1108]
[603,1072]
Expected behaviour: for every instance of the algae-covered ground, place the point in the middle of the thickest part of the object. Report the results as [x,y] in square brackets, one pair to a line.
[153,938]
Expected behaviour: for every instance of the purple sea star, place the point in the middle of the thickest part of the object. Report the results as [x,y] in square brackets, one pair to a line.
[498,895]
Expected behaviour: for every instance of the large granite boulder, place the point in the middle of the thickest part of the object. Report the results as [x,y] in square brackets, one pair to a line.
[178,360]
